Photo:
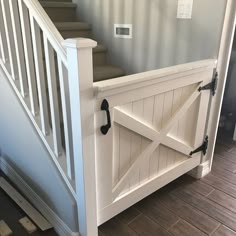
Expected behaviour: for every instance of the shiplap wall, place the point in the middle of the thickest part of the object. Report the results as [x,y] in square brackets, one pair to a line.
[159,39]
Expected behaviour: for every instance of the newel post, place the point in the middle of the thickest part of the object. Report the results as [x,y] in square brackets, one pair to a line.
[80,75]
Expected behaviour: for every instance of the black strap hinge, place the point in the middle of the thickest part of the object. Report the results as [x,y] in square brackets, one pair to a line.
[202,148]
[211,86]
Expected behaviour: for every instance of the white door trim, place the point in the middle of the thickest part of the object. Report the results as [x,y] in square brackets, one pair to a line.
[222,68]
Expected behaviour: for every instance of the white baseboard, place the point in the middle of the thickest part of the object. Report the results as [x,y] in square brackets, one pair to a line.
[60,227]
[201,170]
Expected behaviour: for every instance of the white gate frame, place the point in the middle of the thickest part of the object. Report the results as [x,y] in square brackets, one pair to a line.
[222,69]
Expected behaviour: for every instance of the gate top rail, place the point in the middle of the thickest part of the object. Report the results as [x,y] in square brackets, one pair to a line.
[126,83]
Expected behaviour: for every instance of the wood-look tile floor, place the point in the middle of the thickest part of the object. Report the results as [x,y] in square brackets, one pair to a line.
[11,214]
[186,207]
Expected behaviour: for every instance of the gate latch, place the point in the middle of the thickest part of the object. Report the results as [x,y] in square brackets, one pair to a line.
[211,86]
[202,148]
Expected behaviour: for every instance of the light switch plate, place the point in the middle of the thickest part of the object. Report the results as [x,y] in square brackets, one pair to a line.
[185,9]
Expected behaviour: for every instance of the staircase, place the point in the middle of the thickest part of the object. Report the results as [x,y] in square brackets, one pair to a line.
[63,14]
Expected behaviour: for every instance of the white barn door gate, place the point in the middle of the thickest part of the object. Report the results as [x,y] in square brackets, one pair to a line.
[155,123]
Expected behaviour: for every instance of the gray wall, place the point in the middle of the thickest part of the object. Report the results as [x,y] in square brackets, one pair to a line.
[159,39]
[21,147]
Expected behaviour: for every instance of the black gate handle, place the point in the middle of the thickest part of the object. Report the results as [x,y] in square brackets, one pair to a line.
[105,107]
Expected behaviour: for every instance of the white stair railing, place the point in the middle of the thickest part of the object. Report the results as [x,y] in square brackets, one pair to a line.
[34,59]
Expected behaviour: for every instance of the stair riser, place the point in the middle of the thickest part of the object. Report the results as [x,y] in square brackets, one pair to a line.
[76,34]
[61,14]
[99,58]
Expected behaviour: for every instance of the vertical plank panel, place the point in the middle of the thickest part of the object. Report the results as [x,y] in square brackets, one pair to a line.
[183,119]
[29,58]
[136,143]
[53,98]
[40,75]
[167,107]
[158,109]
[201,121]
[9,38]
[125,148]
[148,119]
[136,147]
[153,168]
[176,106]
[106,159]
[163,155]
[181,132]
[19,46]
[166,116]
[192,122]
[153,163]
[157,123]
[116,154]
[171,158]
[3,39]
[125,152]
[66,113]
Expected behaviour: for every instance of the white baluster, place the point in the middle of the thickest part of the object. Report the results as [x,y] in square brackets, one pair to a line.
[9,38]
[18,46]
[66,113]
[3,40]
[40,75]
[53,98]
[29,59]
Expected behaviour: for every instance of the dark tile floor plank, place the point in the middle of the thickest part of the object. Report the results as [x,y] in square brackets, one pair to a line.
[222,148]
[233,150]
[218,183]
[223,174]
[128,215]
[157,212]
[182,228]
[188,182]
[224,231]
[115,227]
[223,199]
[209,207]
[226,142]
[190,214]
[142,225]
[224,164]
[227,156]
